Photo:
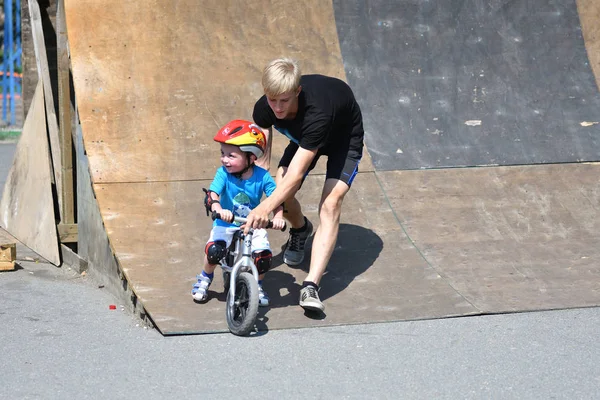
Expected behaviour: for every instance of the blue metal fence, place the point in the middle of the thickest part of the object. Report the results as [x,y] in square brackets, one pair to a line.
[11,80]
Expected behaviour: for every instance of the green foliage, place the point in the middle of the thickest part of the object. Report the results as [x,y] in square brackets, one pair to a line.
[9,135]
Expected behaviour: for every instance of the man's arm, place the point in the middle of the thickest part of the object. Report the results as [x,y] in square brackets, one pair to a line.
[286,188]
[292,179]
[265,160]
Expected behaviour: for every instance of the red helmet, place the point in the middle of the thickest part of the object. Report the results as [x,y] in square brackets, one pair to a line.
[244,134]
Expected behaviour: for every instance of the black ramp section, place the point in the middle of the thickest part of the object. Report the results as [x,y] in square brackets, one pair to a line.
[473,82]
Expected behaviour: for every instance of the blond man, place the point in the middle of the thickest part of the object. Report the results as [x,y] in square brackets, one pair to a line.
[321,117]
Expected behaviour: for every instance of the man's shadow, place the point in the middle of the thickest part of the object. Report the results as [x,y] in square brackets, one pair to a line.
[355,251]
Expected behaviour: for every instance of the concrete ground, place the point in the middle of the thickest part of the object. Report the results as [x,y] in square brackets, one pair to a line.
[60,340]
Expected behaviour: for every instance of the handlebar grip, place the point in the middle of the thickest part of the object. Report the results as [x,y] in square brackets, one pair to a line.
[270,226]
[215,215]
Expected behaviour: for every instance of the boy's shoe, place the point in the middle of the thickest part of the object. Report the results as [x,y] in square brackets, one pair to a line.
[294,250]
[309,299]
[263,297]
[200,289]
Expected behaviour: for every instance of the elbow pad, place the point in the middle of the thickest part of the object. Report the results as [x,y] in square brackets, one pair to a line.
[209,201]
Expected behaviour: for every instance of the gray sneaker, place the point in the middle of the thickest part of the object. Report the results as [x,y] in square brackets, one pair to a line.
[294,250]
[309,299]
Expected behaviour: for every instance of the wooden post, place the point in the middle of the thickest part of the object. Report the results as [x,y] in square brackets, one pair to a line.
[65,117]
[67,233]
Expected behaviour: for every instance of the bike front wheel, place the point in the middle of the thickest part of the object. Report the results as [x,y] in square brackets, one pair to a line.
[242,312]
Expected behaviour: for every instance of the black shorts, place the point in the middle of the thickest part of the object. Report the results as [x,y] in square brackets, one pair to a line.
[341,164]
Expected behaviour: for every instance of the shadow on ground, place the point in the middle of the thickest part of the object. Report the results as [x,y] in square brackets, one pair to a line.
[356,250]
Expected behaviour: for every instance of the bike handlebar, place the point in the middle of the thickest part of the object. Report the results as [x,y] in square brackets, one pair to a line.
[241,220]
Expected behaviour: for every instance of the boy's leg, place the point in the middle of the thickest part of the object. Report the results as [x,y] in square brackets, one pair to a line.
[208,267]
[214,251]
[203,281]
[262,257]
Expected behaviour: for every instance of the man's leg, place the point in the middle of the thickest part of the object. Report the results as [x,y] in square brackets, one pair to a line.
[342,168]
[292,209]
[325,238]
[300,230]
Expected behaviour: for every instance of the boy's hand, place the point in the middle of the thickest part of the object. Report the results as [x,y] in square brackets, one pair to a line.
[278,223]
[226,215]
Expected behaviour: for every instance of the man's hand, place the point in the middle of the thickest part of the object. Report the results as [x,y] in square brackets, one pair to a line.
[258,218]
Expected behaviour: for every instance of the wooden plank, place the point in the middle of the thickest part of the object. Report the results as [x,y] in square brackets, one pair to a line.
[67,233]
[65,118]
[27,206]
[7,265]
[8,252]
[44,77]
[23,252]
[8,255]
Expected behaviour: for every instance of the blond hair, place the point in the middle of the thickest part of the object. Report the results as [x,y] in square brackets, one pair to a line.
[281,76]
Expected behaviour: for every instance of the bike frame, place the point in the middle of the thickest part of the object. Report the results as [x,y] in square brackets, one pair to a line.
[242,256]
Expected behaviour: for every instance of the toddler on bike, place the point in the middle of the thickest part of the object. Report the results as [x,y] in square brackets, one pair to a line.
[236,189]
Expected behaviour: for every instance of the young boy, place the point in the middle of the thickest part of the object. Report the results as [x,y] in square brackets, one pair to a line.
[320,116]
[236,189]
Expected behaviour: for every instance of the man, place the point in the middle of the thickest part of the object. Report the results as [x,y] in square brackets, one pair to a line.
[320,116]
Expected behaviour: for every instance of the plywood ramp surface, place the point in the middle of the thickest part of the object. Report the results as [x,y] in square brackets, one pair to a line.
[161,252]
[510,238]
[460,84]
[412,244]
[154,82]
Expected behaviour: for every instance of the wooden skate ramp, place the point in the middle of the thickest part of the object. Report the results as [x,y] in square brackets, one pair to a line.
[507,238]
[472,83]
[154,83]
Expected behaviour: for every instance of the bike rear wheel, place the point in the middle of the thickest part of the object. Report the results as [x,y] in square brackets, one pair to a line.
[241,315]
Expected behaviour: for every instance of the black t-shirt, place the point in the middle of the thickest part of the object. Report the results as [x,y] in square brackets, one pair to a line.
[328,116]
